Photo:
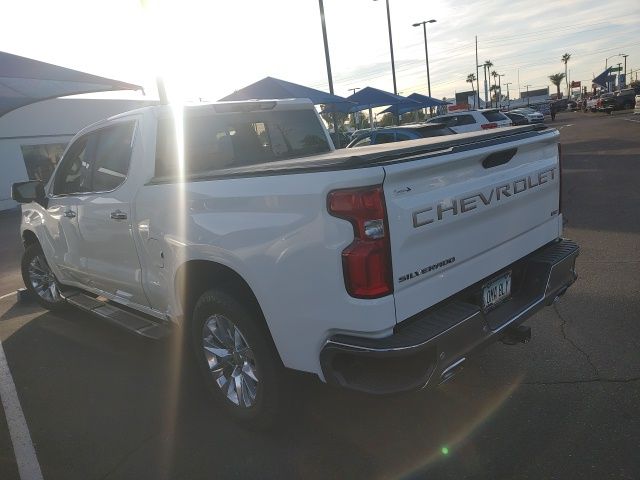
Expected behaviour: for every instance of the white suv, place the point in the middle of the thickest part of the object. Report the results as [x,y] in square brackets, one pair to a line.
[473,120]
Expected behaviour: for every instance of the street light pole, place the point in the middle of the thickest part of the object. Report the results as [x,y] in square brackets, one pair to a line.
[393,64]
[328,61]
[508,97]
[500,88]
[426,53]
[624,55]
[528,100]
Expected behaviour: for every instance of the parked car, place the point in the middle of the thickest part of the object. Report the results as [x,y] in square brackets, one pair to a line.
[400,134]
[622,100]
[636,110]
[517,118]
[532,115]
[473,120]
[572,105]
[602,99]
[268,249]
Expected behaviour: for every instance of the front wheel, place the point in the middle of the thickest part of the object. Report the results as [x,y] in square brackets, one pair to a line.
[40,281]
[237,358]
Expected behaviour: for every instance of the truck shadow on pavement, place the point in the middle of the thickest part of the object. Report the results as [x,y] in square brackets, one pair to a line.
[102,403]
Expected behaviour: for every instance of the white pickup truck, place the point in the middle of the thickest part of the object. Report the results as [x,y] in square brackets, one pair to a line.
[381,269]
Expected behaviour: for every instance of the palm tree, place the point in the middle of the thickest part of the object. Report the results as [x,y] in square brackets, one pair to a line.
[487,65]
[494,74]
[556,79]
[494,90]
[565,59]
[470,79]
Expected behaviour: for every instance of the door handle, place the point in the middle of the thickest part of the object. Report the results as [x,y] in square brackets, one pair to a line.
[118,215]
[70,214]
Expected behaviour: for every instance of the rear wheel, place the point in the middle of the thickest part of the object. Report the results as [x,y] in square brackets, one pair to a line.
[237,358]
[40,280]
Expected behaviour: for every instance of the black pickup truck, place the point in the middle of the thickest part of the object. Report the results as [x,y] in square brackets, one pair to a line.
[622,100]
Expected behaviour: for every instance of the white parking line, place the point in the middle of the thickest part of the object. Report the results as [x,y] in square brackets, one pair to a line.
[25,453]
[7,295]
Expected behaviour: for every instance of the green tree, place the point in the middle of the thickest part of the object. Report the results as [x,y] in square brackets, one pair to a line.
[386,120]
[565,59]
[470,79]
[494,91]
[556,79]
[494,74]
[328,117]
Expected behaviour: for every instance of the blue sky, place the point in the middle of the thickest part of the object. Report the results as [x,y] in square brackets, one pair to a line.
[209,48]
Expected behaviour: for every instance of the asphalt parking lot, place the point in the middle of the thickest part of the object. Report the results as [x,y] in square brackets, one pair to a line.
[103,404]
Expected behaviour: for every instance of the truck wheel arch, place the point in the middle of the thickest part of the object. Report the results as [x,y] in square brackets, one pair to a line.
[195,277]
[29,238]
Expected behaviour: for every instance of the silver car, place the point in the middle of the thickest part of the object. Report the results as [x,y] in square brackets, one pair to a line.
[532,115]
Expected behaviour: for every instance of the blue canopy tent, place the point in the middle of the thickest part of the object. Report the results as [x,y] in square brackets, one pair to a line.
[370,98]
[24,81]
[418,101]
[274,88]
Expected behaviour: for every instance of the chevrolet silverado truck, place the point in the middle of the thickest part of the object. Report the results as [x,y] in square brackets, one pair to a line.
[239,226]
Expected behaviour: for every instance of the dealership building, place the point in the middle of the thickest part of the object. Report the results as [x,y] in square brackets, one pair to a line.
[33,137]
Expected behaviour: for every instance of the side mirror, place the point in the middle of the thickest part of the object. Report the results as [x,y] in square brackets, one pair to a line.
[27,192]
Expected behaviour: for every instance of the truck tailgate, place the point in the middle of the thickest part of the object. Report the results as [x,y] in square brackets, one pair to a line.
[460,215]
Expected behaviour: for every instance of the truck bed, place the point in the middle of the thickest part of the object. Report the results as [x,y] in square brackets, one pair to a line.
[376,155]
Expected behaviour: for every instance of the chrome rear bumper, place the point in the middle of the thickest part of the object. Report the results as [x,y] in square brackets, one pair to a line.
[429,347]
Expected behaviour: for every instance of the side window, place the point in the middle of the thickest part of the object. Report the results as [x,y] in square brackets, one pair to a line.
[74,174]
[112,156]
[385,138]
[363,142]
[464,120]
[401,137]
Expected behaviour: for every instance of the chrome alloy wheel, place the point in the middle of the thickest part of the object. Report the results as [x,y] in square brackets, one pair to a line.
[231,360]
[42,280]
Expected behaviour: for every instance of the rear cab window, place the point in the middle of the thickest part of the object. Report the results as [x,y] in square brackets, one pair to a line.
[495,116]
[215,141]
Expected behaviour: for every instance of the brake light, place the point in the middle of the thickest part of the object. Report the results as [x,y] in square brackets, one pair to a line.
[559,178]
[487,126]
[366,262]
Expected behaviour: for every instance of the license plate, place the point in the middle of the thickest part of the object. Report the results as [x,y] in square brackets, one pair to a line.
[496,291]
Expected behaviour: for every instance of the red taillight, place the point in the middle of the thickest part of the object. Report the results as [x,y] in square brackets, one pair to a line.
[559,178]
[487,126]
[366,262]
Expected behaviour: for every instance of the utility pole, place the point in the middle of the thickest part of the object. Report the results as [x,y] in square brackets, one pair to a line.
[508,97]
[624,55]
[477,76]
[528,100]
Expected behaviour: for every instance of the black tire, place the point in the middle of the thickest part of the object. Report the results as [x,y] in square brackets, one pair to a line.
[55,302]
[266,407]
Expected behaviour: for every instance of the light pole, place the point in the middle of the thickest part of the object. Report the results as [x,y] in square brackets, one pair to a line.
[528,101]
[484,70]
[355,114]
[508,97]
[328,61]
[393,64]
[426,53]
[624,55]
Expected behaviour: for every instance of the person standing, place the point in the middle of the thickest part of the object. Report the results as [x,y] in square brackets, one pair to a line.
[552,110]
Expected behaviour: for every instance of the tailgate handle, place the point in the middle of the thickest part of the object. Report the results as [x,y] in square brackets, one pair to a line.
[499,158]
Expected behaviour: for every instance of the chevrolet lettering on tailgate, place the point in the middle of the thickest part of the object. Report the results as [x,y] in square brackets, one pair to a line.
[430,214]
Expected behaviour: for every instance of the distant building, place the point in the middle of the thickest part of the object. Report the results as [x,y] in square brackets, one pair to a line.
[33,138]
